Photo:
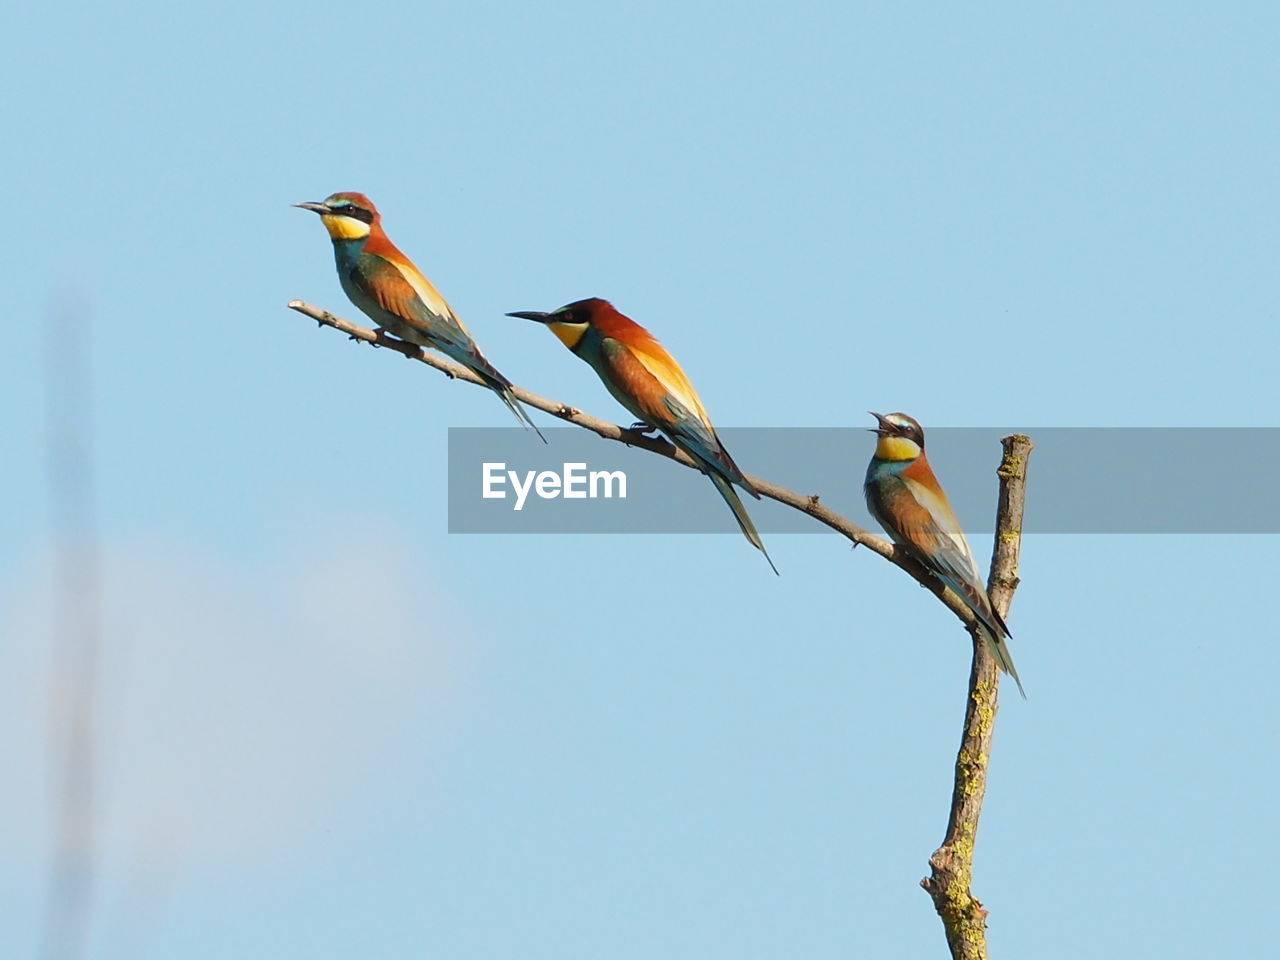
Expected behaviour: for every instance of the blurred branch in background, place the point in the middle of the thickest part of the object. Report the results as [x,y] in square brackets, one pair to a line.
[77,626]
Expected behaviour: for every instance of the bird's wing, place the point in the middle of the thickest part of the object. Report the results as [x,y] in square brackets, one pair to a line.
[939,524]
[424,288]
[400,289]
[652,386]
[925,520]
[662,367]
[915,512]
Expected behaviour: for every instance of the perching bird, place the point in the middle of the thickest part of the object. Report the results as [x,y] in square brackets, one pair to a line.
[905,498]
[646,380]
[385,284]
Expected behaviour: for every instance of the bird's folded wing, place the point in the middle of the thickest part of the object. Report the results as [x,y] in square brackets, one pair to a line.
[400,289]
[662,367]
[928,522]
[663,397]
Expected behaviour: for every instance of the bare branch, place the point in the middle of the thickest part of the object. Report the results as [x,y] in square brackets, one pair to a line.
[806,503]
[963,917]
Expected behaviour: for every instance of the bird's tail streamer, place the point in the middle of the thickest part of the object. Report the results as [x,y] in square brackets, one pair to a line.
[1000,650]
[740,514]
[516,407]
[502,387]
[992,625]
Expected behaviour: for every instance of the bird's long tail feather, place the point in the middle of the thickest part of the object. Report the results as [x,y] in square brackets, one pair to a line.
[740,514]
[502,387]
[470,357]
[992,625]
[509,398]
[1000,650]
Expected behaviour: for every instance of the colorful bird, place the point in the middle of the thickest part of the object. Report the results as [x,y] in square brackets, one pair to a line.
[385,284]
[905,498]
[645,379]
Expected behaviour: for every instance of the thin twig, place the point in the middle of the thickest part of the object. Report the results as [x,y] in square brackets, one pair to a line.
[951,877]
[806,503]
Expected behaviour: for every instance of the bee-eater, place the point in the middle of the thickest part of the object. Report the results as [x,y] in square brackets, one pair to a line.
[645,379]
[905,498]
[385,284]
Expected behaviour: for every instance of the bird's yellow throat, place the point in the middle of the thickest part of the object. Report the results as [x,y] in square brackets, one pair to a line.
[344,228]
[569,333]
[897,448]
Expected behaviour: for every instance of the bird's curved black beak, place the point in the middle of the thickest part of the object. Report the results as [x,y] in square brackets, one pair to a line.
[884,428]
[320,208]
[532,315]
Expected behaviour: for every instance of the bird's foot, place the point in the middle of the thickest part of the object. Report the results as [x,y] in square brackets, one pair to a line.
[642,428]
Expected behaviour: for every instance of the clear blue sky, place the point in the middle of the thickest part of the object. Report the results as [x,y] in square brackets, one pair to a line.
[331,730]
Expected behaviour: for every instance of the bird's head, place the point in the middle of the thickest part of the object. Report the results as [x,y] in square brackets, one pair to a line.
[901,437]
[347,216]
[572,321]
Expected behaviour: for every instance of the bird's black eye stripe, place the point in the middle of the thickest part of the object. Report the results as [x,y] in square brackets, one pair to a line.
[357,213]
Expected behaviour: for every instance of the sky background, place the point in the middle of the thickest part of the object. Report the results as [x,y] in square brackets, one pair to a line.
[328,729]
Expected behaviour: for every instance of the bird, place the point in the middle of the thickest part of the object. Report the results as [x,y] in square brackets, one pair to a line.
[906,499]
[642,376]
[385,284]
